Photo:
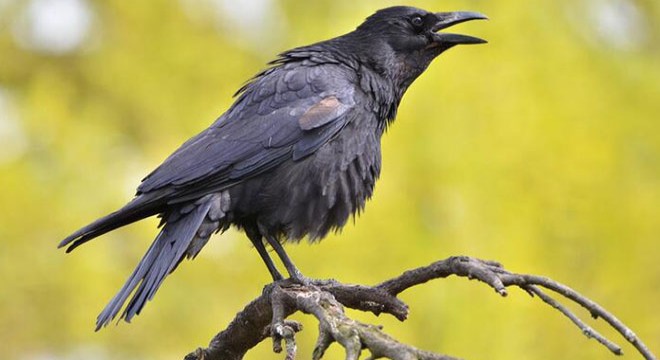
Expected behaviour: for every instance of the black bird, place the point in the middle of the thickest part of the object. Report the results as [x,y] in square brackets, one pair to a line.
[295,156]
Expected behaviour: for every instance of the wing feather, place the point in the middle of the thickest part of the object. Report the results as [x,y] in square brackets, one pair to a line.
[286,114]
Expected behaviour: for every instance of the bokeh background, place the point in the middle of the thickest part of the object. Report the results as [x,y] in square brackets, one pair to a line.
[540,149]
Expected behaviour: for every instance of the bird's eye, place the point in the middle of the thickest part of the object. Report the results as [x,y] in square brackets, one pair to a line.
[417,21]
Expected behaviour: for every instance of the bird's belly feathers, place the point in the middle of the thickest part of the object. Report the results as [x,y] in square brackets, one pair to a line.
[318,193]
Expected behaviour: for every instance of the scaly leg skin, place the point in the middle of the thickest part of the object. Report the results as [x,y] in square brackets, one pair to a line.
[293,271]
[256,240]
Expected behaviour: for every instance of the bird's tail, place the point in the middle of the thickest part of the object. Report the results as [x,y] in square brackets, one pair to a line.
[139,208]
[186,231]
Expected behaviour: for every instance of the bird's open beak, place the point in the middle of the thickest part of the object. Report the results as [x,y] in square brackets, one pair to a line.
[447,19]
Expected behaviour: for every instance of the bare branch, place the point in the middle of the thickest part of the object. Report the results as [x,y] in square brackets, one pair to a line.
[586,329]
[324,300]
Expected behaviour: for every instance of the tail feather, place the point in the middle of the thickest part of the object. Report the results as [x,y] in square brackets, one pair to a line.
[139,208]
[175,241]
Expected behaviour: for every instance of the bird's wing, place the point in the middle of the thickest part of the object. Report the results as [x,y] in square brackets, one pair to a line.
[284,114]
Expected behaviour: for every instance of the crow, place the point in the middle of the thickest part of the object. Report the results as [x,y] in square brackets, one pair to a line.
[295,156]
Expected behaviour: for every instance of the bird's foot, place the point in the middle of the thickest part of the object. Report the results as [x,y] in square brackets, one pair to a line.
[298,278]
[281,329]
[285,330]
[292,281]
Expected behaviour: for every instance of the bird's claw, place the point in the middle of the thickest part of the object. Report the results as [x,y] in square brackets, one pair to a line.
[285,330]
[281,329]
[301,279]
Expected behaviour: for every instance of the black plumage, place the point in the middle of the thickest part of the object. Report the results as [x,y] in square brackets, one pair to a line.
[296,155]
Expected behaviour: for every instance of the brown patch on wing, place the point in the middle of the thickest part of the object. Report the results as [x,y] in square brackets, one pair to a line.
[321,113]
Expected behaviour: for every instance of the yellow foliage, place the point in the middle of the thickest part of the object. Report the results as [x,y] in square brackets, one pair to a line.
[540,149]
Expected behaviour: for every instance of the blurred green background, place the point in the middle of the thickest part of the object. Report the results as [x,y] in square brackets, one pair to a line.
[540,149]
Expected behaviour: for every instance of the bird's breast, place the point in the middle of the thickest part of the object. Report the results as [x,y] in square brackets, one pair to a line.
[319,193]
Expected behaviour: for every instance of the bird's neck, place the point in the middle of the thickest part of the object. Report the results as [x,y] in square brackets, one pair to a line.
[374,52]
[382,74]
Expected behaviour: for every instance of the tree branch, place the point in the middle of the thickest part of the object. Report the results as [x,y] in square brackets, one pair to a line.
[325,299]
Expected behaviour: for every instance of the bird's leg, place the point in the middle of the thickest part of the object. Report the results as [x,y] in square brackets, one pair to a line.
[258,243]
[293,271]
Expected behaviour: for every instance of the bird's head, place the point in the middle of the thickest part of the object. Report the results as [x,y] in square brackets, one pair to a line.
[407,39]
